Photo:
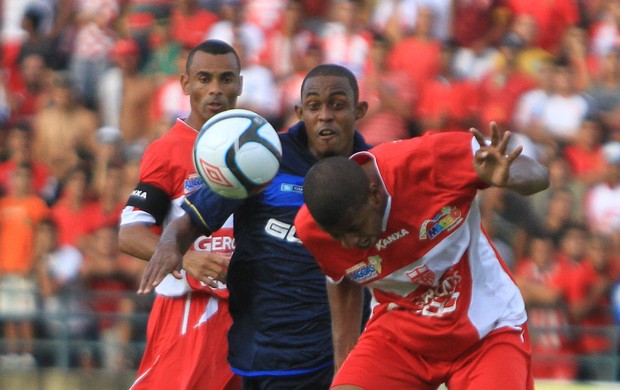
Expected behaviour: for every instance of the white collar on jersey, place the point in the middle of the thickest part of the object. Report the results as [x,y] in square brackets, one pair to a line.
[362,157]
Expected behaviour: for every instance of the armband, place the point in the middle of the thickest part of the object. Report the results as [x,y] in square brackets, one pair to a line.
[150,199]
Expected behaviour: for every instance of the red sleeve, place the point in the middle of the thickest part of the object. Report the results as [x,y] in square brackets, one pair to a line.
[155,169]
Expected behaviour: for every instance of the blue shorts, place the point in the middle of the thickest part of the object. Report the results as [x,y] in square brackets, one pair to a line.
[315,380]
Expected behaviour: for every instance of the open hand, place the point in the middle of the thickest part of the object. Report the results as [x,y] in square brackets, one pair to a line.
[491,161]
[208,267]
[166,259]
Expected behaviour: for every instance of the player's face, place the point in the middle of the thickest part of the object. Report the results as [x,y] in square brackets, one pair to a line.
[360,229]
[213,85]
[329,112]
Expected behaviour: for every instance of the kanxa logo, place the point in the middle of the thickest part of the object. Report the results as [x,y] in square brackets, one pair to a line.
[139,194]
[384,242]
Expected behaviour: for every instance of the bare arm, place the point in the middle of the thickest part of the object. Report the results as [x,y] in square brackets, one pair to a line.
[512,171]
[345,302]
[168,255]
[536,294]
[138,240]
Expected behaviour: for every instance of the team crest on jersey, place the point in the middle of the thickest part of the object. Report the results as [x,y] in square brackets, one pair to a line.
[422,275]
[366,270]
[447,219]
[192,183]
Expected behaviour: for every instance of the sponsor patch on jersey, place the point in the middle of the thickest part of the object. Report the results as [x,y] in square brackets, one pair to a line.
[366,270]
[440,300]
[289,187]
[224,244]
[285,190]
[384,242]
[422,275]
[282,231]
[447,219]
[192,183]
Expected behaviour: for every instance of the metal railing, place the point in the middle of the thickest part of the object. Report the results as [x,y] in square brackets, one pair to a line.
[69,359]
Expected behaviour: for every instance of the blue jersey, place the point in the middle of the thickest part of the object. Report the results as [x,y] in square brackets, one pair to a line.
[278,300]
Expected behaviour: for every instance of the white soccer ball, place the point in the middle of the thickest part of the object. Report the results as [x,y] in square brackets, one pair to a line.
[237,153]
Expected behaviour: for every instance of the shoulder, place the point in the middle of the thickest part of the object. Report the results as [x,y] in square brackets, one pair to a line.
[430,142]
[180,136]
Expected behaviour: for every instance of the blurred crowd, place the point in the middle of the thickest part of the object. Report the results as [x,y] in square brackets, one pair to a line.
[85,85]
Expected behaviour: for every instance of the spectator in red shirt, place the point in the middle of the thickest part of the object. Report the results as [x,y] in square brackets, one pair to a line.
[478,24]
[501,88]
[74,211]
[27,89]
[537,277]
[584,152]
[552,17]
[447,102]
[604,32]
[589,306]
[20,152]
[109,286]
[389,98]
[189,22]
[419,54]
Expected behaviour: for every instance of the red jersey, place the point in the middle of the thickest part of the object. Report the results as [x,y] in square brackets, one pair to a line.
[186,333]
[433,258]
[549,325]
[552,19]
[40,175]
[176,176]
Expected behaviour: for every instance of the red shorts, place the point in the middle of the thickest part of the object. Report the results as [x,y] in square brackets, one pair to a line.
[187,345]
[502,360]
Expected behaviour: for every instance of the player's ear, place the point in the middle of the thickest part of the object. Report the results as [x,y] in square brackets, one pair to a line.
[184,83]
[375,197]
[299,111]
[240,85]
[360,109]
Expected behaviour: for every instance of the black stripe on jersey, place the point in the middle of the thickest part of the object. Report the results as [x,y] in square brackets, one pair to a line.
[150,199]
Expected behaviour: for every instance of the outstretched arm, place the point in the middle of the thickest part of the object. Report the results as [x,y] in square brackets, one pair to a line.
[512,171]
[346,303]
[168,256]
[209,267]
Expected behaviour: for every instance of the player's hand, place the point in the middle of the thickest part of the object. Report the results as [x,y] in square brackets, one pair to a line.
[165,260]
[208,267]
[491,161]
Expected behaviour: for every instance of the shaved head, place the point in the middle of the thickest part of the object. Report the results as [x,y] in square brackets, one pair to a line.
[334,188]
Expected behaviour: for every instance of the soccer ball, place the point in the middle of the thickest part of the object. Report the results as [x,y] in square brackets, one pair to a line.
[237,153]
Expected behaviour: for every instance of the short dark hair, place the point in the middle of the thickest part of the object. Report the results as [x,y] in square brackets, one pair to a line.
[333,188]
[212,46]
[334,70]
